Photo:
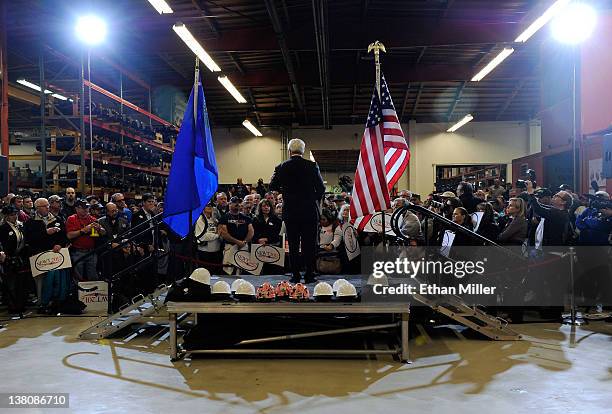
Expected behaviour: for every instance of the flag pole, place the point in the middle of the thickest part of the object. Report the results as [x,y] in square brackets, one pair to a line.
[376,47]
[195,125]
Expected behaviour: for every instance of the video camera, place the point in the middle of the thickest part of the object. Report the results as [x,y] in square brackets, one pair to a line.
[531,174]
[598,203]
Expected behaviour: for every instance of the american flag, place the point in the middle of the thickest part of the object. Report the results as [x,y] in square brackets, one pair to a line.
[383,142]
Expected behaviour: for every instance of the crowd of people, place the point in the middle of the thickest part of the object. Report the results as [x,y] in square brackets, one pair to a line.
[31,225]
[242,214]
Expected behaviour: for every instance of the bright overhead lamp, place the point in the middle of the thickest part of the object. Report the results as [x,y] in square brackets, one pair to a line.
[248,125]
[31,85]
[181,30]
[161,6]
[231,88]
[91,29]
[574,24]
[538,23]
[60,97]
[492,64]
[461,123]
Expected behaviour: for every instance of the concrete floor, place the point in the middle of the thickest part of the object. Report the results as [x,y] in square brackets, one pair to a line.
[554,370]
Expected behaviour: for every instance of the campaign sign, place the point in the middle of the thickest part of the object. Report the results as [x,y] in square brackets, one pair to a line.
[49,260]
[351,243]
[95,296]
[268,254]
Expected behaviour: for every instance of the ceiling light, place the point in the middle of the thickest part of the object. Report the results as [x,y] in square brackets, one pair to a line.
[574,24]
[195,46]
[461,123]
[31,85]
[231,89]
[58,96]
[161,6]
[247,124]
[91,29]
[538,23]
[492,64]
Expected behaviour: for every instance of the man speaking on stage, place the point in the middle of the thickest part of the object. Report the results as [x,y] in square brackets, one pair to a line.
[301,184]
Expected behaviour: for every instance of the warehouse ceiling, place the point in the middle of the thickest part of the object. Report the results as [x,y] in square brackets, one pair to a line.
[268,48]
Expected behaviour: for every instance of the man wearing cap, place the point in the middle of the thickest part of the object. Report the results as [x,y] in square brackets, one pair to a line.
[17,202]
[302,186]
[12,248]
[70,197]
[55,206]
[235,227]
[80,227]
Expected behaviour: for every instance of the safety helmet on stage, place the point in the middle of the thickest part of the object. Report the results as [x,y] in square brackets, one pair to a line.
[266,292]
[339,283]
[323,289]
[201,275]
[237,283]
[347,290]
[300,292]
[221,288]
[245,288]
[283,289]
[382,280]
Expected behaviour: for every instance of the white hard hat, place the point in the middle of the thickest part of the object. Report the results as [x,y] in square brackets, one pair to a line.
[347,290]
[221,287]
[201,275]
[602,194]
[323,289]
[245,288]
[383,280]
[237,283]
[339,283]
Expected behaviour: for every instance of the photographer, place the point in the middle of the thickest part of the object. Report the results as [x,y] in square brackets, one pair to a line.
[555,218]
[465,192]
[595,223]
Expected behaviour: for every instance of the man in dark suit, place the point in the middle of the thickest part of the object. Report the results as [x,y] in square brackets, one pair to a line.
[302,187]
[12,244]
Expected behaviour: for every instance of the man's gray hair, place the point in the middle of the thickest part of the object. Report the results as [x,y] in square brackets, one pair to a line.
[297,146]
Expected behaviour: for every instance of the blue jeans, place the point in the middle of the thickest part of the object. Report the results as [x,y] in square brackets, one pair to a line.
[86,268]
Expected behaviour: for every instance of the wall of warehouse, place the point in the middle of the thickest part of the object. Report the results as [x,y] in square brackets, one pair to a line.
[240,154]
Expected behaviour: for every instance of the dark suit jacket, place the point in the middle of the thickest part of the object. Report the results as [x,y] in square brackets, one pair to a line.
[145,238]
[301,184]
[8,239]
[37,238]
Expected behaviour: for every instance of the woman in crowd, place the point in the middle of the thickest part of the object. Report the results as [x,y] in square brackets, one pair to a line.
[488,227]
[515,230]
[267,224]
[330,239]
[344,214]
[461,217]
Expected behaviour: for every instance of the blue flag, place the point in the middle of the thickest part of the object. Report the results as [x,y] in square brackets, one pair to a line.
[193,175]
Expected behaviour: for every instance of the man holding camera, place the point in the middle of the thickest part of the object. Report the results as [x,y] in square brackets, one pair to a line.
[595,223]
[555,218]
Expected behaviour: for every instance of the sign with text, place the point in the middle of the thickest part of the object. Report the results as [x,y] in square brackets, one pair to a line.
[375,224]
[266,253]
[95,296]
[241,258]
[351,243]
[49,260]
